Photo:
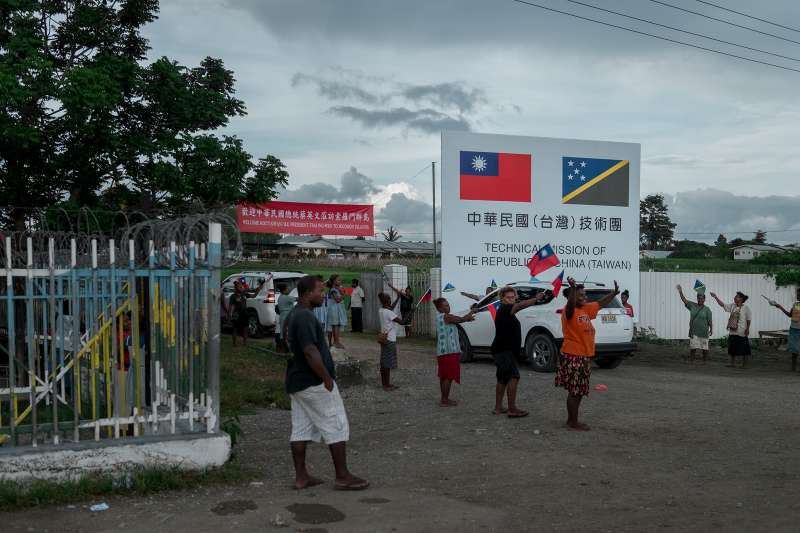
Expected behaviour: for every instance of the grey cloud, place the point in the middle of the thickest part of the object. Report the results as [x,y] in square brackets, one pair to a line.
[354,187]
[425,120]
[688,161]
[411,217]
[311,192]
[715,211]
[337,90]
[422,24]
[447,95]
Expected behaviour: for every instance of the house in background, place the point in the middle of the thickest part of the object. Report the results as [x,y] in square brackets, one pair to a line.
[316,246]
[309,245]
[747,252]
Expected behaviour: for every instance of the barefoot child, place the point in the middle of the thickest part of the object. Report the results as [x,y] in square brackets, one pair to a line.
[448,349]
[389,322]
[578,347]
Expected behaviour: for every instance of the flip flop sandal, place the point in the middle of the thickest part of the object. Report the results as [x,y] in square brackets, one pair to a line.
[357,486]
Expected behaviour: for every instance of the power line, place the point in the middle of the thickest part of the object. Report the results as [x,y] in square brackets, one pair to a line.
[683,31]
[423,169]
[749,16]
[724,21]
[735,232]
[682,43]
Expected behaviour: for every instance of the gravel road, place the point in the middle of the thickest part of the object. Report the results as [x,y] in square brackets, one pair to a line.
[673,447]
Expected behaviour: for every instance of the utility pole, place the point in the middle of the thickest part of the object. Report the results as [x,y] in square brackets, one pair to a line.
[433,179]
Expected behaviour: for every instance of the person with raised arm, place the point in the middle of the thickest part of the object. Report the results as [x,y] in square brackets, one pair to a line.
[739,322]
[794,326]
[506,349]
[578,348]
[700,324]
[448,348]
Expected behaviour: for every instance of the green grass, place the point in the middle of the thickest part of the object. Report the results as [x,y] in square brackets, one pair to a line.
[251,377]
[138,482]
[672,264]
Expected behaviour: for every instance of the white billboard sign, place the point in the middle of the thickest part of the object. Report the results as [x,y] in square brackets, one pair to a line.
[504,197]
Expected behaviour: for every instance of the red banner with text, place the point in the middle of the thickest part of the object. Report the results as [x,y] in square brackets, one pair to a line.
[301,218]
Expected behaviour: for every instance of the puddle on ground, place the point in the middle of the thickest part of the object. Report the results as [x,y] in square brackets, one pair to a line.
[234,507]
[315,513]
[374,500]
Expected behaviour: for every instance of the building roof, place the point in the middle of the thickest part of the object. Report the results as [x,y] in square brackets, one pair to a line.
[357,245]
[655,254]
[761,247]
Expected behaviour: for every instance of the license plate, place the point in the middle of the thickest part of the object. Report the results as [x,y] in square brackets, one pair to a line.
[608,319]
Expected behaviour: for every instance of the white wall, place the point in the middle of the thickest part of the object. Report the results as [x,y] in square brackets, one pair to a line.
[662,309]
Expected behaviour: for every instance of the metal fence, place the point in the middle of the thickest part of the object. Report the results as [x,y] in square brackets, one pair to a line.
[110,338]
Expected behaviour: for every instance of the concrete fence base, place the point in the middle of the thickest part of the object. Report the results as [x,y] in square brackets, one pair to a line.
[61,463]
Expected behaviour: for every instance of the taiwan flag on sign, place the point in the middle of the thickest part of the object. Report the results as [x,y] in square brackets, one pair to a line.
[495,177]
[543,259]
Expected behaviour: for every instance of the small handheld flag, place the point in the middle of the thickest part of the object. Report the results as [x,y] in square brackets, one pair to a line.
[448,288]
[699,288]
[427,297]
[544,259]
[557,283]
[493,308]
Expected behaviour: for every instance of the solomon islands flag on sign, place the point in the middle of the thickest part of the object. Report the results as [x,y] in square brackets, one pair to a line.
[588,181]
[495,177]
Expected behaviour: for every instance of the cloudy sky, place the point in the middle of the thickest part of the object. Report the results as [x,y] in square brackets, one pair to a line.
[352,95]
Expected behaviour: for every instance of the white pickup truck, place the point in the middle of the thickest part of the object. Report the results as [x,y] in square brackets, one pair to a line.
[261,297]
[541,328]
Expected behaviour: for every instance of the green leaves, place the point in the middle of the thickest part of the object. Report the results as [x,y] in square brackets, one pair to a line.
[85,120]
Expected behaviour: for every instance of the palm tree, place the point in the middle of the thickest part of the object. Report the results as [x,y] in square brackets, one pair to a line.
[392,235]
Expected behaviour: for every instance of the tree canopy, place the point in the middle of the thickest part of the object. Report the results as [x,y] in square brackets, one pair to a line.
[655,227]
[86,120]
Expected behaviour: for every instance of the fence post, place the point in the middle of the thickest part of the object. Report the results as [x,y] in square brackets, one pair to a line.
[214,266]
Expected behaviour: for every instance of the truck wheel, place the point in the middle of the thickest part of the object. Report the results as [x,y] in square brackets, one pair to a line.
[608,362]
[254,328]
[542,352]
[466,347]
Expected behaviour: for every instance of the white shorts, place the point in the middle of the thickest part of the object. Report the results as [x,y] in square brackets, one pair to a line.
[319,415]
[698,343]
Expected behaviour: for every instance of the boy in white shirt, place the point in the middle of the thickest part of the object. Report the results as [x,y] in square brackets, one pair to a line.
[388,340]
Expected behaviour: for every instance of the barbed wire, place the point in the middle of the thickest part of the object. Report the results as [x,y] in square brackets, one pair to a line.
[91,232]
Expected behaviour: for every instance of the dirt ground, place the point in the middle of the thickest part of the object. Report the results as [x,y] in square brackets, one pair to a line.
[672,448]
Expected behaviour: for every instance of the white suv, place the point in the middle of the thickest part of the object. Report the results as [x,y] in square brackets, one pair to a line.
[541,328]
[261,297]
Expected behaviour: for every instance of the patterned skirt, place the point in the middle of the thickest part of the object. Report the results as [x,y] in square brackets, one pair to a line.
[573,374]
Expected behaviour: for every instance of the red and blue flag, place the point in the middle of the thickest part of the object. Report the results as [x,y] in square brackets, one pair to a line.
[496,177]
[493,308]
[427,297]
[544,258]
[557,283]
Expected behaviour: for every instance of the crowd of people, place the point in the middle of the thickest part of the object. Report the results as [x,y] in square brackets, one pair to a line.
[318,413]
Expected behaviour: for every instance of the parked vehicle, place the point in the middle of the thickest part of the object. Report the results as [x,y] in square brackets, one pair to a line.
[262,295]
[541,328]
